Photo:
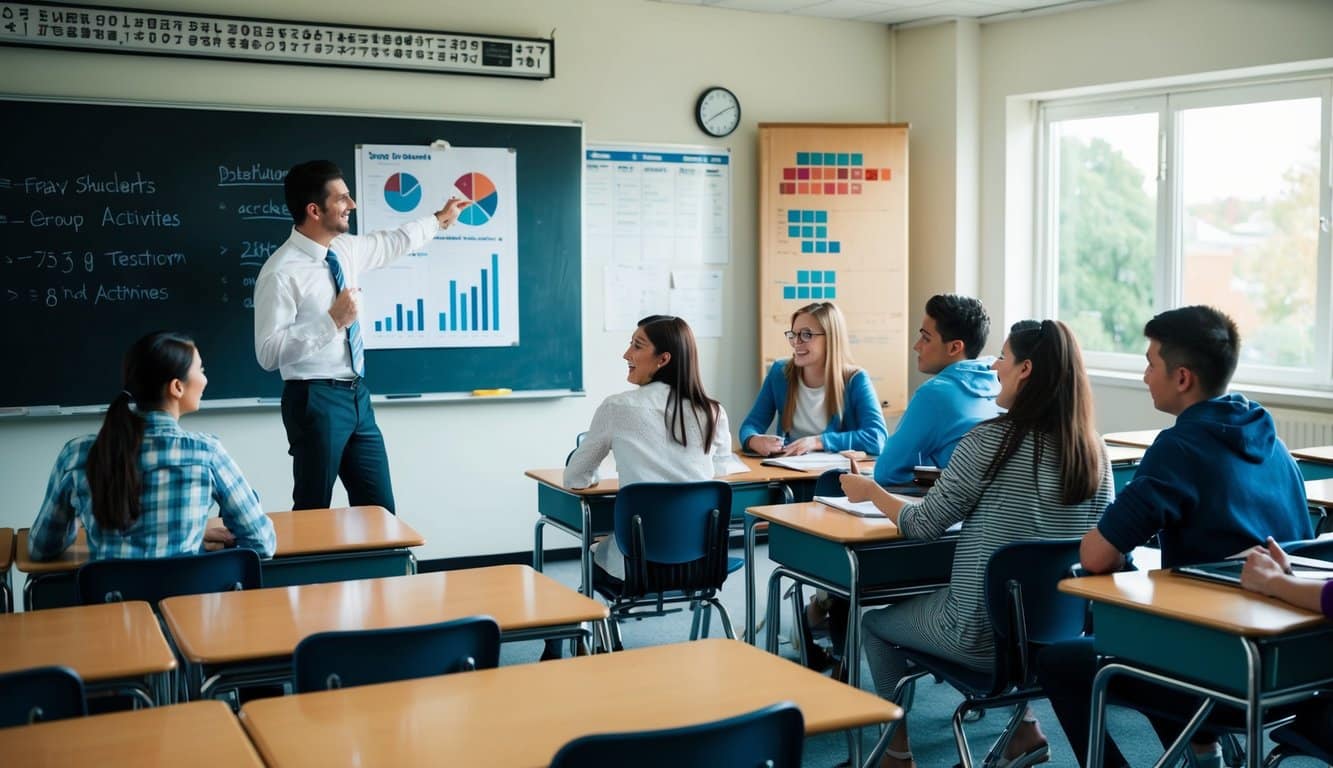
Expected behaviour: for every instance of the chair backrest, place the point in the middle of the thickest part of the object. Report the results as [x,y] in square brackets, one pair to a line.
[578,440]
[40,694]
[830,483]
[151,580]
[1026,608]
[773,736]
[365,656]
[673,535]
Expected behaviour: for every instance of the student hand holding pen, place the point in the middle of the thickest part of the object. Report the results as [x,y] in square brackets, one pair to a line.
[765,445]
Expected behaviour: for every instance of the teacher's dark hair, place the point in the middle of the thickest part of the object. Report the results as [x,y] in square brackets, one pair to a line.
[114,475]
[1054,406]
[308,183]
[681,373]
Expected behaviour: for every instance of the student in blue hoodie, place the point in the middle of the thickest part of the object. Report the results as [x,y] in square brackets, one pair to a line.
[1217,483]
[823,401]
[960,396]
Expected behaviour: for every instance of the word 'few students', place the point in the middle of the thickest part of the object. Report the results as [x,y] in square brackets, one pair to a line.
[1215,484]
[142,486]
[1036,471]
[822,400]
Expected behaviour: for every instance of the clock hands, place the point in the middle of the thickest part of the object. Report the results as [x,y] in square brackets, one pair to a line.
[716,115]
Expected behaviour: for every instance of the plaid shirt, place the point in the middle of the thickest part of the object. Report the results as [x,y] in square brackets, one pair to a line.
[183,474]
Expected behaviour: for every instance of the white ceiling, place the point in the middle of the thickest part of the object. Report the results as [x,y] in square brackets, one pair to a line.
[895,11]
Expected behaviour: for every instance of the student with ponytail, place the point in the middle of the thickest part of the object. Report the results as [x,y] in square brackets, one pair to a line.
[142,487]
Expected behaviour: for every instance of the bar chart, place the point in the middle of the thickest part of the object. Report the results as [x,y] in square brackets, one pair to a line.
[471,308]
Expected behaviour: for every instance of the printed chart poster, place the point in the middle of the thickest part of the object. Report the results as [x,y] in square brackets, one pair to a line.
[462,289]
[647,210]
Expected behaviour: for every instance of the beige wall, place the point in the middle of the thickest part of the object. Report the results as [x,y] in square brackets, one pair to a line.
[1098,47]
[631,71]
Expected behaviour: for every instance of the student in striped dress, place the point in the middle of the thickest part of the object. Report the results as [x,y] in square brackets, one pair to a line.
[1038,471]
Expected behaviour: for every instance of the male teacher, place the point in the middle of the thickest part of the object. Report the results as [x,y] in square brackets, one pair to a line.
[306,306]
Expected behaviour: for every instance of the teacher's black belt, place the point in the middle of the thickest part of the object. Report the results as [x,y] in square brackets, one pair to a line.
[335,383]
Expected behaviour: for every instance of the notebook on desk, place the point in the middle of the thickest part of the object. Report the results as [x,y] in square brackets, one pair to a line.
[811,462]
[1228,571]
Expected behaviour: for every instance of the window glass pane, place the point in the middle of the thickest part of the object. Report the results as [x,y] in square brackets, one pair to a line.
[1250,223]
[1105,217]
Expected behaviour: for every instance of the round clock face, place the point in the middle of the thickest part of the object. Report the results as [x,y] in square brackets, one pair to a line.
[718,111]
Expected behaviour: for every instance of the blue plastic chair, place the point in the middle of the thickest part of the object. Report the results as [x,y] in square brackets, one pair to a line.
[1309,735]
[771,737]
[1027,612]
[40,694]
[152,580]
[674,538]
[329,660]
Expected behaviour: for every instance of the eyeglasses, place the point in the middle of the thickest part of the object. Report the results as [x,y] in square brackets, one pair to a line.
[805,335]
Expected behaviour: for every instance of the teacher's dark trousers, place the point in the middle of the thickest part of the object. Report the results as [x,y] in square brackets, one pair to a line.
[331,433]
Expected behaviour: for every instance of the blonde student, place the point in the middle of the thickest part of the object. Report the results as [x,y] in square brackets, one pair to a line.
[822,400]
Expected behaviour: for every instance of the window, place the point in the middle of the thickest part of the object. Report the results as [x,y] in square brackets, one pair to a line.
[1217,196]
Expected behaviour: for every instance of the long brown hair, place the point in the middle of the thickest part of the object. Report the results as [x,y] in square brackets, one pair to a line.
[681,373]
[1054,404]
[838,366]
[114,476]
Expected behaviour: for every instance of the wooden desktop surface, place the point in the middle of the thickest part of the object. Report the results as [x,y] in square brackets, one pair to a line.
[1124,454]
[6,548]
[757,473]
[303,532]
[229,627]
[201,734]
[101,642]
[1319,492]
[1218,606]
[1141,438]
[828,523]
[1320,454]
[521,715]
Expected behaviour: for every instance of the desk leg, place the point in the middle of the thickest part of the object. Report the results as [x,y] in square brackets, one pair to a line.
[585,541]
[538,548]
[773,617]
[1254,713]
[852,652]
[1097,724]
[750,568]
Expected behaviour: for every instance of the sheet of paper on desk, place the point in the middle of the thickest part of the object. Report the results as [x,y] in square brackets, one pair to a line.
[810,462]
[734,465]
[858,508]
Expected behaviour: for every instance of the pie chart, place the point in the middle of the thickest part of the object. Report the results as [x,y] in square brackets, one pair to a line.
[478,188]
[402,192]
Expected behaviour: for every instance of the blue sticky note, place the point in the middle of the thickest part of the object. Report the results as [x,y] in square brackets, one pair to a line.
[821,217]
[834,246]
[830,293]
[821,232]
[793,231]
[816,293]
[844,158]
[802,275]
[807,231]
[830,276]
[830,158]
[856,158]
[803,292]
[788,291]
[808,217]
[807,246]
[793,216]
[821,246]
[816,275]
[802,158]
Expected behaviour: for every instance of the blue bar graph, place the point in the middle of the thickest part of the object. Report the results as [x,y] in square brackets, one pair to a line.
[472,306]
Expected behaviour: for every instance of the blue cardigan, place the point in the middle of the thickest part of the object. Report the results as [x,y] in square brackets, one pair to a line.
[860,427]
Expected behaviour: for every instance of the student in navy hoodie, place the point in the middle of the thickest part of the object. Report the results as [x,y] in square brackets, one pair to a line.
[1215,484]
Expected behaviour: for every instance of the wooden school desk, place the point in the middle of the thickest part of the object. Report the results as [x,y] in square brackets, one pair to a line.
[6,564]
[853,557]
[1214,640]
[1315,463]
[229,638]
[201,734]
[314,545]
[1141,438]
[520,716]
[590,512]
[1124,463]
[113,646]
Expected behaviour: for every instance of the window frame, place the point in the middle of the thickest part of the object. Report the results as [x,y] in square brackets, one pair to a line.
[1168,257]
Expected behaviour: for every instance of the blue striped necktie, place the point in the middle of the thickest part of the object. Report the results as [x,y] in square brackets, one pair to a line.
[354,340]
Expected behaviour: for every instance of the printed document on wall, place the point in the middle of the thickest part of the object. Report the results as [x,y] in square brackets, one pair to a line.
[461,288]
[655,208]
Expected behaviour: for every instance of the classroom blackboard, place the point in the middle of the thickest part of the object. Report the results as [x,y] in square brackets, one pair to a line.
[119,219]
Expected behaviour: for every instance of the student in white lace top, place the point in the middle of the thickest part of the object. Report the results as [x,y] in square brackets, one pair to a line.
[666,430]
